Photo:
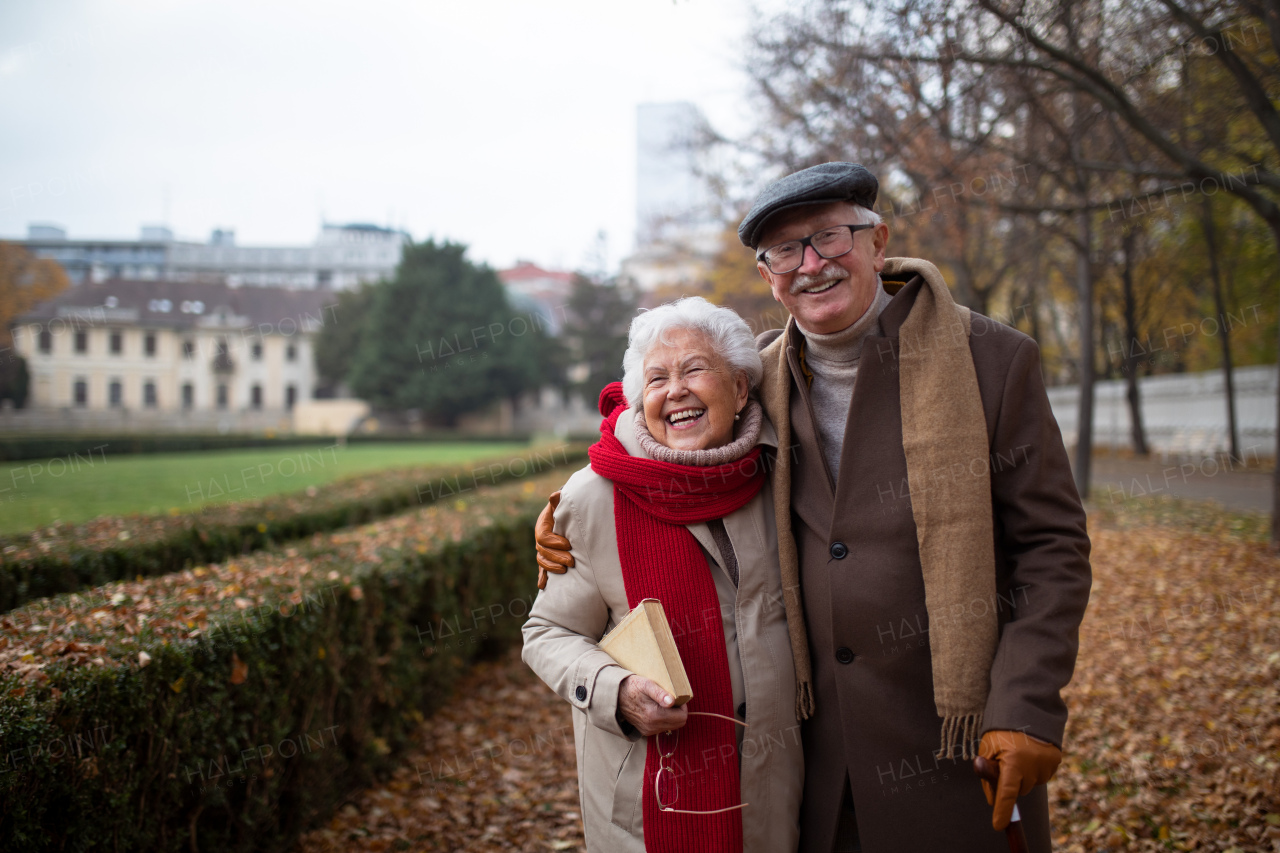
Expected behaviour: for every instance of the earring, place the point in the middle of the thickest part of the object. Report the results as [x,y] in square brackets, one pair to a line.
[737,417]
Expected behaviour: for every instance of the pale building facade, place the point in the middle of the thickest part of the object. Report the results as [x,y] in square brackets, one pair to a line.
[341,257]
[163,348]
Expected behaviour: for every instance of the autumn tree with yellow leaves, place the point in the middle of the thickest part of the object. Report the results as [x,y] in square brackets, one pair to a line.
[25,281]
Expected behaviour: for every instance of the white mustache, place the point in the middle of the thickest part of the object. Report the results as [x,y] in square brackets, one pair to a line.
[827,276]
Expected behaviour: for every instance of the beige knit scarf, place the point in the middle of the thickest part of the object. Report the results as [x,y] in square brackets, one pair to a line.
[746,436]
[944,437]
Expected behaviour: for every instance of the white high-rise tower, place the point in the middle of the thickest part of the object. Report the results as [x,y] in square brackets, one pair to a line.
[672,199]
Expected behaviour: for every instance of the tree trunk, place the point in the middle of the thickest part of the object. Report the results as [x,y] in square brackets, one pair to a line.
[1084,418]
[1132,393]
[1033,315]
[1104,338]
[1275,475]
[1219,305]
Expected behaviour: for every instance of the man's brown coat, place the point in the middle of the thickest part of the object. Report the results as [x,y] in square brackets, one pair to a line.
[875,727]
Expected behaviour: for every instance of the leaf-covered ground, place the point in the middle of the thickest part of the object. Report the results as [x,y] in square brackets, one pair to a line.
[1174,738]
[1174,741]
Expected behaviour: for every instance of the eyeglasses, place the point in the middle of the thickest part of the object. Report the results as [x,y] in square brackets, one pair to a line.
[828,243]
[666,788]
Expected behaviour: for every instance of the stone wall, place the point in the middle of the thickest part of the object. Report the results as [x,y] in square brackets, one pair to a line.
[1183,413]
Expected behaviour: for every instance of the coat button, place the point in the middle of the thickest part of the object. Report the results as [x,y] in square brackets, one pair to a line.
[742,710]
[581,693]
[839,550]
[844,655]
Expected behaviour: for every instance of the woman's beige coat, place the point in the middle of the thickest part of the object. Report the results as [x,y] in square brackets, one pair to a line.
[580,606]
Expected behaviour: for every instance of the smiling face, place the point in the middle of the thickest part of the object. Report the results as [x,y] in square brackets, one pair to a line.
[826,295]
[690,393]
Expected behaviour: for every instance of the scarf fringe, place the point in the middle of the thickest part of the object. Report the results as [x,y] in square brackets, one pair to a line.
[960,730]
[804,700]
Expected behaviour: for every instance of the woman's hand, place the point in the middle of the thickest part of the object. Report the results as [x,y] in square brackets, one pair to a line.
[647,705]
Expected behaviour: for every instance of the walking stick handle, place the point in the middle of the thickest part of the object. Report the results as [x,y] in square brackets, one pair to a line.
[1013,833]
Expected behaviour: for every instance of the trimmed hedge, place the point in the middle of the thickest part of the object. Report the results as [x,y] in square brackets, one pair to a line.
[17,448]
[189,752]
[36,565]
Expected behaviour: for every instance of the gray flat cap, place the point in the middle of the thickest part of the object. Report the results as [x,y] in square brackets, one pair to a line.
[815,185]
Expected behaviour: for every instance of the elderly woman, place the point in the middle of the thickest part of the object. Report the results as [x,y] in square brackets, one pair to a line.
[676,506]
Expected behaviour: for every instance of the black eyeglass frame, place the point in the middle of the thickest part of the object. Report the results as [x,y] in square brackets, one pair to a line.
[808,242]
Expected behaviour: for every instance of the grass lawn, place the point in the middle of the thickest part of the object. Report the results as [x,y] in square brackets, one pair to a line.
[39,492]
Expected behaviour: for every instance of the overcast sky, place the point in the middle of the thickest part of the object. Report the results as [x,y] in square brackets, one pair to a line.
[509,126]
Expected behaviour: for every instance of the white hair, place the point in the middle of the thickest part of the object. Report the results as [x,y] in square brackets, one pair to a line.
[867,216]
[728,335]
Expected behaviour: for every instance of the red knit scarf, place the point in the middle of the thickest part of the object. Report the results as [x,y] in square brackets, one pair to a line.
[661,559]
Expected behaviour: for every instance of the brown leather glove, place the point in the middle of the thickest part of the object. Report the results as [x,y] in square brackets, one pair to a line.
[553,549]
[1024,762]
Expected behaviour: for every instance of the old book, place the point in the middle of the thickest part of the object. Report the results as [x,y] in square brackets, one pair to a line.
[642,642]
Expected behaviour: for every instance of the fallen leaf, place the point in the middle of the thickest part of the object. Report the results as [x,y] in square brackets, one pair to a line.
[239,669]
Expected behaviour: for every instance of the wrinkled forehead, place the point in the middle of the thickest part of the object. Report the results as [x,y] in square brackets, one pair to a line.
[792,223]
[679,346]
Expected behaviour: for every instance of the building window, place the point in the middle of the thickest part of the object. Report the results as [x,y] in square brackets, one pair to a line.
[81,390]
[257,352]
[149,394]
[82,342]
[188,395]
[117,343]
[222,396]
[149,344]
[255,396]
[115,393]
[46,341]
[188,350]
[290,396]
[291,353]
[222,362]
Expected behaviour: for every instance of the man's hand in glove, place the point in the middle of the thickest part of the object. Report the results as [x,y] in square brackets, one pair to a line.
[553,549]
[1024,762]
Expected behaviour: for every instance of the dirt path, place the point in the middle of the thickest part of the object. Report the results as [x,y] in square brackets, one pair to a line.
[1208,478]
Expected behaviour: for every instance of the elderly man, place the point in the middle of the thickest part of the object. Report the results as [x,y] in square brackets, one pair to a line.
[930,534]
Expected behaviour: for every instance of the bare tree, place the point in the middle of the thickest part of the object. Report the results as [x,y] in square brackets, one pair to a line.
[1220,306]
[1189,86]
[922,132]
[1129,348]
[1240,39]
[947,129]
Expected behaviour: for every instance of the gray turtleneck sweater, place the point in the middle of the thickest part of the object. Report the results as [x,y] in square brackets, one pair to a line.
[833,361]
